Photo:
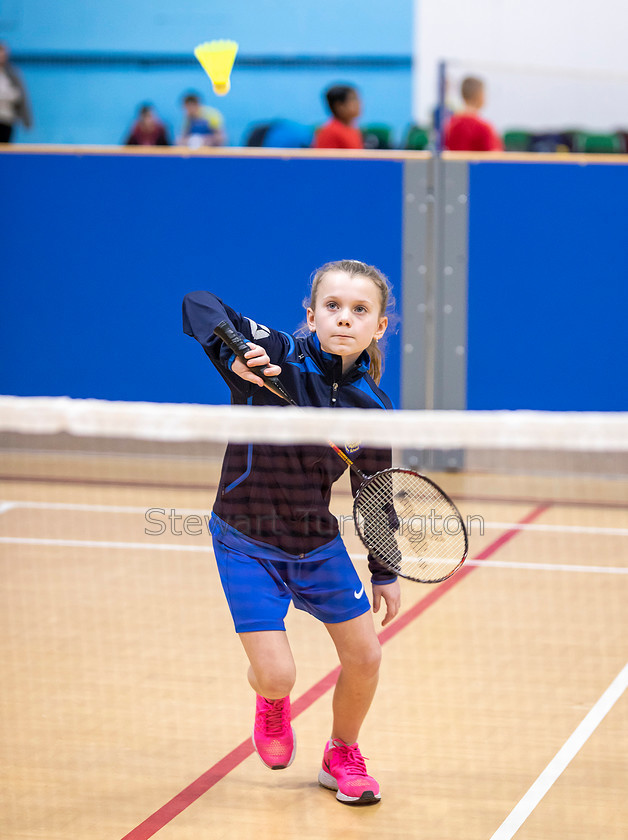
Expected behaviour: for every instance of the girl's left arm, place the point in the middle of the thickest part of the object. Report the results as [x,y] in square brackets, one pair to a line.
[391,593]
[371,461]
[385,583]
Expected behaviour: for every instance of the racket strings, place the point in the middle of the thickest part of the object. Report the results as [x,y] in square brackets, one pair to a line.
[409,525]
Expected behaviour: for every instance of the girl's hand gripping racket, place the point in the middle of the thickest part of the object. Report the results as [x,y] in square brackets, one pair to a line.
[239,346]
[403,518]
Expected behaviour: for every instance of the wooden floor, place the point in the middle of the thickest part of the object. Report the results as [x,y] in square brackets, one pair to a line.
[125,707]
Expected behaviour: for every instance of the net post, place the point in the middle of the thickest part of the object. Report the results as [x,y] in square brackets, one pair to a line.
[439,121]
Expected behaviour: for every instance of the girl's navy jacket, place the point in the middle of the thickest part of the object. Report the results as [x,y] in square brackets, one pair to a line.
[280,494]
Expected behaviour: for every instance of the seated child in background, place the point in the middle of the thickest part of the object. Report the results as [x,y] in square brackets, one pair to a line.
[467,131]
[202,126]
[147,130]
[340,132]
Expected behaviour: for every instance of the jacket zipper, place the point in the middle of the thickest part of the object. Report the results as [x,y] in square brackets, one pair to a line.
[334,393]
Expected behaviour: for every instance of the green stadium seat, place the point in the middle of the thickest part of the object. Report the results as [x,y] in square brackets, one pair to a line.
[377,136]
[572,137]
[417,138]
[601,144]
[518,141]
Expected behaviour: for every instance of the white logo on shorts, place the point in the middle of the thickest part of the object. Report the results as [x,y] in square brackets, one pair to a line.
[358,595]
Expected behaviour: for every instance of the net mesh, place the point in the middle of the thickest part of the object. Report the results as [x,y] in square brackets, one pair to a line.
[123,678]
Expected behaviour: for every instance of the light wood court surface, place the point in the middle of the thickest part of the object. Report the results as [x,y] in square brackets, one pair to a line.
[124,692]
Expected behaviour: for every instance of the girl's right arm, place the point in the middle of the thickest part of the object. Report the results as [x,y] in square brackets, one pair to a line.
[203,311]
[257,357]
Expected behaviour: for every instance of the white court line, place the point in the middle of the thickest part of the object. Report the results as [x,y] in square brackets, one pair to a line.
[100,508]
[567,752]
[572,529]
[550,567]
[496,564]
[103,544]
[506,526]
[535,567]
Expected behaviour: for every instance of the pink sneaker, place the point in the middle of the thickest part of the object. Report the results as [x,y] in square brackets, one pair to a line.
[273,737]
[344,770]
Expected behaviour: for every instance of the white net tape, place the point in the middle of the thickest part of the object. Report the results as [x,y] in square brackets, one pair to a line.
[558,431]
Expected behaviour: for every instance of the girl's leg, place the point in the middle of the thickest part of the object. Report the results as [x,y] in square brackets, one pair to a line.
[271,674]
[360,654]
[272,671]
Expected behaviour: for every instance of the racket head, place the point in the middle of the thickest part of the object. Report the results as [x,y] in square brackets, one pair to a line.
[410,525]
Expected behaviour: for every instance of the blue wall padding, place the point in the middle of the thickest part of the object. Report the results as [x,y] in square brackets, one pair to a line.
[548,286]
[100,249]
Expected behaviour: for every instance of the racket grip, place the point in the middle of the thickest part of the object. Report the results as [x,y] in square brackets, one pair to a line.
[239,346]
[232,339]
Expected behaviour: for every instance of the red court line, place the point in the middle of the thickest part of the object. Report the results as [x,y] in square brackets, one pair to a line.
[207,780]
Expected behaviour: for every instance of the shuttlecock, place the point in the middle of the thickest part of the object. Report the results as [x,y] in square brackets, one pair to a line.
[216,58]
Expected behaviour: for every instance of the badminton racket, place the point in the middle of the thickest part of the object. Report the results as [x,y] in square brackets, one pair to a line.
[405,520]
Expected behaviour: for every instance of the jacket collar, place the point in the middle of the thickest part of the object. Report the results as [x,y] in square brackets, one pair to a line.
[331,365]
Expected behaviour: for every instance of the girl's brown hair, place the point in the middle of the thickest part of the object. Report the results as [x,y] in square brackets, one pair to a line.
[355,268]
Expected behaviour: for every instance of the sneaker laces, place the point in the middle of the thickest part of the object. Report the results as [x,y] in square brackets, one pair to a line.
[273,716]
[353,760]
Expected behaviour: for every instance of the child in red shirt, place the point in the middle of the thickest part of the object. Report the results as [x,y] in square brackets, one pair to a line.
[340,133]
[467,131]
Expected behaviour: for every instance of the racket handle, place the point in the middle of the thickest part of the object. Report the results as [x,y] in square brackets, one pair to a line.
[232,339]
[239,346]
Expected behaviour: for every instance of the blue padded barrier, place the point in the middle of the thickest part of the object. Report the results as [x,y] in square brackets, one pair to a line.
[548,286]
[100,249]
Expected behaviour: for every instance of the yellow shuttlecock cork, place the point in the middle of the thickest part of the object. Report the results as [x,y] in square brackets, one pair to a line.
[217,59]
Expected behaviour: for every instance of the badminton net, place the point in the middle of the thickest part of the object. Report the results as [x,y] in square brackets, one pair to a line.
[120,653]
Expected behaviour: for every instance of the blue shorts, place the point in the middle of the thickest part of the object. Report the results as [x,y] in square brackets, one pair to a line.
[261,581]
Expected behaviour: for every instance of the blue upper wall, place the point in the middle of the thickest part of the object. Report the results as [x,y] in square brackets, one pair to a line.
[96,104]
[331,27]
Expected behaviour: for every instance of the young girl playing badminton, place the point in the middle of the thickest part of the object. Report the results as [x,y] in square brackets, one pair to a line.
[274,537]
